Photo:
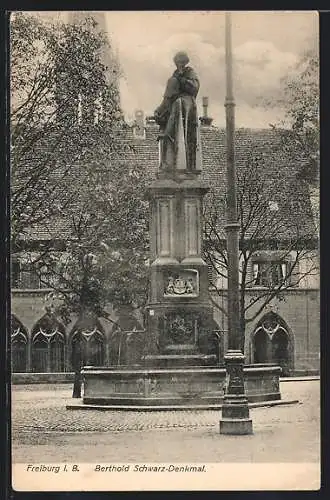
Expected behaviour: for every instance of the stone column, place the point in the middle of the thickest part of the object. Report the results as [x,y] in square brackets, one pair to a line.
[29,354]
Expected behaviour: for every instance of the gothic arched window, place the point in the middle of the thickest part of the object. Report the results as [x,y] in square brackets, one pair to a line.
[272,343]
[57,342]
[88,348]
[19,342]
[48,342]
[40,353]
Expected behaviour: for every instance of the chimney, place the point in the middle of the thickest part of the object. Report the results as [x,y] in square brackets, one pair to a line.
[205,120]
[138,127]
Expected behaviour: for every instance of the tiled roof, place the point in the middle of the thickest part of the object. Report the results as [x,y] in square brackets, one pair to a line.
[292,194]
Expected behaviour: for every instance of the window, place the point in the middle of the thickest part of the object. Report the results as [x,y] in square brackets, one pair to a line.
[18,353]
[19,342]
[47,279]
[15,274]
[18,350]
[88,348]
[26,275]
[23,275]
[272,343]
[48,342]
[57,353]
[269,273]
[40,354]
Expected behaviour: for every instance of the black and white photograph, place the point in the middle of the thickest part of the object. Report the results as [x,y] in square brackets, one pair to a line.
[164,250]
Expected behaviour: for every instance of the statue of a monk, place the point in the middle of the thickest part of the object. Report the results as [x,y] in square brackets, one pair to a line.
[179,101]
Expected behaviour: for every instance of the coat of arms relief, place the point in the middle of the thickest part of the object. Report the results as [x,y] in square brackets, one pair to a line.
[181,327]
[182,284]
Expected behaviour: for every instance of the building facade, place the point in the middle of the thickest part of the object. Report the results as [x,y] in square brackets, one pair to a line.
[285,331]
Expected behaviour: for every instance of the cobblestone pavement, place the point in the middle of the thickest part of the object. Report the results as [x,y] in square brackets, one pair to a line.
[42,429]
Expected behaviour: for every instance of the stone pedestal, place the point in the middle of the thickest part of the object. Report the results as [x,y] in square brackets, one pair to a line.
[179,314]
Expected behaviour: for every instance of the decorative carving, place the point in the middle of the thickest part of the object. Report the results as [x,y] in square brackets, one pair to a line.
[153,385]
[183,284]
[146,386]
[236,381]
[275,384]
[180,328]
[139,386]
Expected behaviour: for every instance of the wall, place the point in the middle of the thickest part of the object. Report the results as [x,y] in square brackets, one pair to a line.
[29,307]
[301,312]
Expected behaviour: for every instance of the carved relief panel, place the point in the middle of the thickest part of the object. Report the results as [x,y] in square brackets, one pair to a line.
[181,328]
[165,227]
[192,227]
[184,283]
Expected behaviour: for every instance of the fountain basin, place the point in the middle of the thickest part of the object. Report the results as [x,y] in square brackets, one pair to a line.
[184,387]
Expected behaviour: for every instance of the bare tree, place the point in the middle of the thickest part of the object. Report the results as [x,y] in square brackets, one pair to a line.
[274,216]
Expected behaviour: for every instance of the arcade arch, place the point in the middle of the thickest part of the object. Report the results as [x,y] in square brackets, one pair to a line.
[272,342]
[87,345]
[48,345]
[19,346]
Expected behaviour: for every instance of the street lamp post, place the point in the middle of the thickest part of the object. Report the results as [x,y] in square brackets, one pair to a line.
[235,418]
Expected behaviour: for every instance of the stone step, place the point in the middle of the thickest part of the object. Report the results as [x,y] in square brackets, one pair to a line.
[179,360]
[171,407]
[181,349]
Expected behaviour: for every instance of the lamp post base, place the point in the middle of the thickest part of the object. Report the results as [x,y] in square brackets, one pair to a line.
[235,417]
[236,426]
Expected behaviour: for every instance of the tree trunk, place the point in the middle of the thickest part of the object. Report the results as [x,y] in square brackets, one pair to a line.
[77,384]
[77,363]
[242,318]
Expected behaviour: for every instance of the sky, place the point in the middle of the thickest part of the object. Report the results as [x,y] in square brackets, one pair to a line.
[266,44]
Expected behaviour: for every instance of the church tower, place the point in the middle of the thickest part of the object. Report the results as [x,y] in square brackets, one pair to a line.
[108,57]
[94,102]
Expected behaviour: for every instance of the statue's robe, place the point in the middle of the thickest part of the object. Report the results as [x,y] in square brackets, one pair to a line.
[179,99]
